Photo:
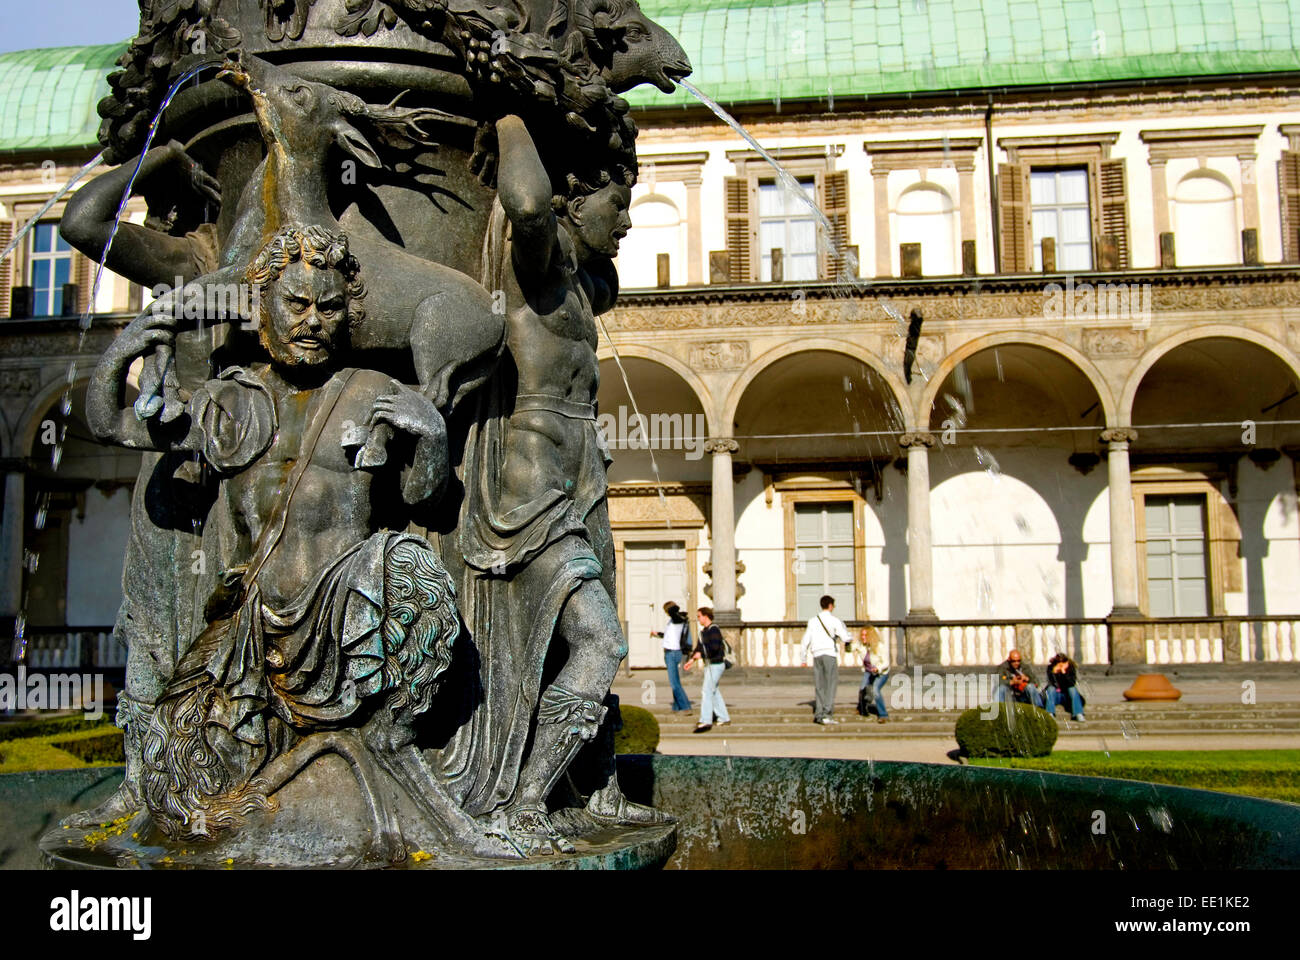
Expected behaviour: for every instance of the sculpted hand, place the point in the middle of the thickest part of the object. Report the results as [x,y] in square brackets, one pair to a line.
[408,410]
[203,183]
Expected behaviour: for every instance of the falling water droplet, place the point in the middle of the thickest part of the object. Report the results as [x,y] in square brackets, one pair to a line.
[989,463]
[56,455]
[1129,728]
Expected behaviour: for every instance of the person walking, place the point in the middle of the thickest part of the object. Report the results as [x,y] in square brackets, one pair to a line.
[676,636]
[875,672]
[712,649]
[821,649]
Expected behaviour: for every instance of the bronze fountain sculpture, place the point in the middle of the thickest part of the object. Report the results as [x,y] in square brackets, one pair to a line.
[369,593]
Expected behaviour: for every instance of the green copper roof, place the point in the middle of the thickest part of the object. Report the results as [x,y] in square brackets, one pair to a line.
[752,50]
[48,97]
[771,50]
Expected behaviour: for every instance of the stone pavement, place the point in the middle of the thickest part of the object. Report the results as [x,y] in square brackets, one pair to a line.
[771,713]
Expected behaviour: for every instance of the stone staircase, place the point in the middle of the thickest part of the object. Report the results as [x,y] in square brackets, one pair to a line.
[1123,721]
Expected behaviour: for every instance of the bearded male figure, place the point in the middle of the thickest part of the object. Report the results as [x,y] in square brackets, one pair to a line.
[326,616]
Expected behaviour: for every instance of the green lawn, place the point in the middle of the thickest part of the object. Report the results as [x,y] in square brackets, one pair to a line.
[1272,774]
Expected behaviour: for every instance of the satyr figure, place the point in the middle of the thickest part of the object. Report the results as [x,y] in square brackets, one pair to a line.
[326,616]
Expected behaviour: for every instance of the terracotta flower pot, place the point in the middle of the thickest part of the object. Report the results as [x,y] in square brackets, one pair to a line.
[1152,686]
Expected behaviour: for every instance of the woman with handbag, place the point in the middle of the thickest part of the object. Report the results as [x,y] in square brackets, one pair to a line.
[712,649]
[875,672]
[676,636]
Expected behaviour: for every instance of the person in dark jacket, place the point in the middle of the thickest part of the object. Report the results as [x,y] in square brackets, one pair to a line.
[1063,686]
[712,649]
[1017,684]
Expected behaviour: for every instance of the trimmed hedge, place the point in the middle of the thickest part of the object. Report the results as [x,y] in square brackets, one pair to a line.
[639,732]
[97,747]
[1015,730]
[49,726]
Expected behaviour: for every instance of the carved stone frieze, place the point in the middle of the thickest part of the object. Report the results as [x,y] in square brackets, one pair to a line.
[767,306]
[1114,341]
[719,355]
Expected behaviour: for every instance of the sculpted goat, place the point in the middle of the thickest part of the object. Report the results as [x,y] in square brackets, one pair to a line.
[442,316]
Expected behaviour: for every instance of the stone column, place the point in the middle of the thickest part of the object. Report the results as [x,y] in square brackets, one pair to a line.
[694,237]
[1159,200]
[723,530]
[11,543]
[1127,641]
[966,202]
[923,645]
[1249,191]
[884,254]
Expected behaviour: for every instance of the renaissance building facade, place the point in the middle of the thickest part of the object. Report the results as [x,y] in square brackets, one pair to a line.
[1006,352]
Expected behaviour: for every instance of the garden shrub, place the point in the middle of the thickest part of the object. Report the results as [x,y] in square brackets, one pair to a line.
[639,732]
[1015,730]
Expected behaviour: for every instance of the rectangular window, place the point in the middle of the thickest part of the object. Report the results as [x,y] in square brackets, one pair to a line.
[51,267]
[1060,210]
[824,558]
[1177,559]
[786,223]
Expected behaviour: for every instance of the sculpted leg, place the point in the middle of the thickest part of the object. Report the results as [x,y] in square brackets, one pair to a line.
[133,716]
[571,711]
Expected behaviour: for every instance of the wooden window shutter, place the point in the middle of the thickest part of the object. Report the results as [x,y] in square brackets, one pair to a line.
[1288,182]
[835,204]
[83,275]
[1114,207]
[1014,214]
[740,230]
[6,266]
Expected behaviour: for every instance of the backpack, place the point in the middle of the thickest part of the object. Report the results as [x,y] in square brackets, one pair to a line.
[686,644]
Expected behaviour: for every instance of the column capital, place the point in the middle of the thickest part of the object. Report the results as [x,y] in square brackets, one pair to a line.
[721,445]
[1119,435]
[916,439]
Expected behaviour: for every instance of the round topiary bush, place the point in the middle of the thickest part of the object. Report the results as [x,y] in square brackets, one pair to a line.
[639,732]
[1014,730]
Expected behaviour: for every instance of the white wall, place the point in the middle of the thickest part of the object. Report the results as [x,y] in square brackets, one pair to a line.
[96,547]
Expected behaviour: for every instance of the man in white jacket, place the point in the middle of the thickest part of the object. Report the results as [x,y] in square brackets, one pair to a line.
[820,641]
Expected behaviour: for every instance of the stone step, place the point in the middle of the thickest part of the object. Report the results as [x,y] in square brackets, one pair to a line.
[931,725]
[873,731]
[1197,718]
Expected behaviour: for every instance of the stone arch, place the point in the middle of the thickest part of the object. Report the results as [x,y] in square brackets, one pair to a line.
[1017,338]
[29,423]
[1214,332]
[898,392]
[642,352]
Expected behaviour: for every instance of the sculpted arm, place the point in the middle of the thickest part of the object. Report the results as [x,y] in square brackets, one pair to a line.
[412,412]
[110,418]
[524,188]
[146,256]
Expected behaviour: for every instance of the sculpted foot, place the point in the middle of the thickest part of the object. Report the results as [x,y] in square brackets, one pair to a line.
[123,803]
[610,806]
[531,828]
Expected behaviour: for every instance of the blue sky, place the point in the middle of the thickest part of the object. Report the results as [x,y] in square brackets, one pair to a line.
[65,23]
